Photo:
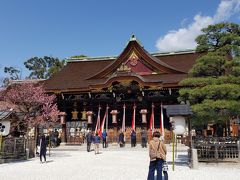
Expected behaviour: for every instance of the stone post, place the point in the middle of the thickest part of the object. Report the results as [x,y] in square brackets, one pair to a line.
[194,159]
[238,150]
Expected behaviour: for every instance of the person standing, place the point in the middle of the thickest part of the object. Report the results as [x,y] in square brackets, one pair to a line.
[144,138]
[89,138]
[97,140]
[43,148]
[56,134]
[157,154]
[104,138]
[133,138]
[121,139]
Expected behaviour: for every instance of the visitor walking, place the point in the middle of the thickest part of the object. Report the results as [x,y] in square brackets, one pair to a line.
[96,142]
[157,154]
[133,138]
[89,138]
[43,148]
[55,134]
[121,139]
[144,138]
[104,139]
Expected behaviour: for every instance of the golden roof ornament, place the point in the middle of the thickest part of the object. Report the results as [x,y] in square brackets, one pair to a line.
[133,59]
[124,68]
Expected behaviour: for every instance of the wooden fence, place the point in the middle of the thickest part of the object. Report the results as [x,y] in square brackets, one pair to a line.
[217,148]
[17,148]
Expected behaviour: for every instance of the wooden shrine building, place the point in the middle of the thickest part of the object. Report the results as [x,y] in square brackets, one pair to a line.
[136,79]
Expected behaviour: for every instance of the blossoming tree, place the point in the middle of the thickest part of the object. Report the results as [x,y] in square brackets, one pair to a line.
[32,102]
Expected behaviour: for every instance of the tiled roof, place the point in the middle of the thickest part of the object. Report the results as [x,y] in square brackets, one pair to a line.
[80,74]
[179,110]
[4,114]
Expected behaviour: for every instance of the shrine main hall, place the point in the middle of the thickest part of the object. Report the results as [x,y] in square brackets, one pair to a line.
[134,85]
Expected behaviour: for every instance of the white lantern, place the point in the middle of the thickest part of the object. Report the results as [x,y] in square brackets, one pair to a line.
[114,116]
[144,113]
[89,117]
[179,124]
[62,117]
[5,127]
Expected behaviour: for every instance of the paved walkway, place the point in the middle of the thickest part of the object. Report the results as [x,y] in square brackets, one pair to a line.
[74,163]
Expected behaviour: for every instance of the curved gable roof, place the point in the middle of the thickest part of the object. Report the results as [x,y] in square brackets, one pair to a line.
[82,75]
[134,46]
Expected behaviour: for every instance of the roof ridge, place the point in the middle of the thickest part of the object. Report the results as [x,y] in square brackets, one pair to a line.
[99,58]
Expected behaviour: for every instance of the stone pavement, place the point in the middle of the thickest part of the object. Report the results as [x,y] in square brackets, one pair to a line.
[113,163]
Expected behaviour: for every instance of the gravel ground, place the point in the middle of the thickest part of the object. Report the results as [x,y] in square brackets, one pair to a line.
[74,163]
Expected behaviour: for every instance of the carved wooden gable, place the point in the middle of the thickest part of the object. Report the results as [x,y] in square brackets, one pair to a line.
[136,64]
[138,61]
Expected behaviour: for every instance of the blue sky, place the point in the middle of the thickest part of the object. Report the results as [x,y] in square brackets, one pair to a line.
[63,28]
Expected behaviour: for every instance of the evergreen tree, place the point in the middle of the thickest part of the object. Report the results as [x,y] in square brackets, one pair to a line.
[43,67]
[213,83]
[13,74]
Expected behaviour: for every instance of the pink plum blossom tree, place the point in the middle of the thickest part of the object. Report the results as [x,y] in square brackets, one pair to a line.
[31,100]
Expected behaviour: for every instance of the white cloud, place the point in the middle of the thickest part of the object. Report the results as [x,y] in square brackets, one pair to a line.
[184,22]
[226,9]
[184,38]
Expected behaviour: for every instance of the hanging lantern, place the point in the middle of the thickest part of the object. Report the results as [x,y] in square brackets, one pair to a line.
[178,124]
[114,116]
[89,117]
[75,115]
[144,115]
[84,115]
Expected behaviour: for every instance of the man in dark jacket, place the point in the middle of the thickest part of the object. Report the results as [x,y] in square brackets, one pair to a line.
[144,138]
[43,148]
[133,138]
[55,134]
[89,138]
[121,139]
[104,139]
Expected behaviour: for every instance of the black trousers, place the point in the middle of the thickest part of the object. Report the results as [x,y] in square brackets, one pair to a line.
[144,142]
[42,154]
[88,146]
[104,143]
[133,142]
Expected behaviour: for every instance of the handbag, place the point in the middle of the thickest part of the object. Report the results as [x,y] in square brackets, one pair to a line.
[165,166]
